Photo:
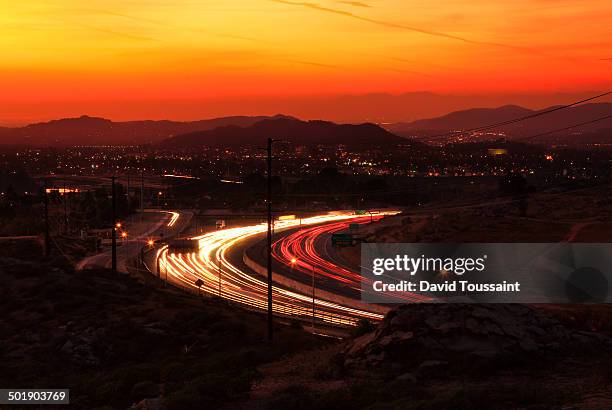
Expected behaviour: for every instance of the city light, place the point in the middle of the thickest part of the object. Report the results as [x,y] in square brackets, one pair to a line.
[61,191]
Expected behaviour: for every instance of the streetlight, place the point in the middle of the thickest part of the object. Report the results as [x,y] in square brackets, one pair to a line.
[199,284]
[219,274]
[124,235]
[293,262]
[150,244]
[159,267]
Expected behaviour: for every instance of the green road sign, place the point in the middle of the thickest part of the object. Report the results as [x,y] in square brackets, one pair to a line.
[342,239]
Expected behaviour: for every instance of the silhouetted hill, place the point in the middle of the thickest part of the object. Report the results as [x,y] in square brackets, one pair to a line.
[87,130]
[464,119]
[296,131]
[467,119]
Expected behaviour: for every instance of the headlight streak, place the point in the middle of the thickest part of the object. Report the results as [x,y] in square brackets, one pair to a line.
[173,219]
[246,288]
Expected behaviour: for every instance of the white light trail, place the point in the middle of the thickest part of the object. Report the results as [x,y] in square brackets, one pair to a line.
[173,219]
[247,288]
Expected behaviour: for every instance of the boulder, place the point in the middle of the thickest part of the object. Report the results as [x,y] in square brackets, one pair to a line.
[412,338]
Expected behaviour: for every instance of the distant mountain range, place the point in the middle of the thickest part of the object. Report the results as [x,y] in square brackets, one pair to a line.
[378,108]
[477,117]
[293,130]
[247,130]
[87,130]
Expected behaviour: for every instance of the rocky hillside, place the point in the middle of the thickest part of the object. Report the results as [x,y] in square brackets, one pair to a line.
[456,357]
[115,342]
[413,339]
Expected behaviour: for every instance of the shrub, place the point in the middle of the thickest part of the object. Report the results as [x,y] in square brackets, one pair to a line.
[363,326]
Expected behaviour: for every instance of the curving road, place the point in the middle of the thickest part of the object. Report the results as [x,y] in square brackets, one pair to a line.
[167,223]
[309,252]
[211,270]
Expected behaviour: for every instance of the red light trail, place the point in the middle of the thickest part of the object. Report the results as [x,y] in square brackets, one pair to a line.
[221,277]
[299,249]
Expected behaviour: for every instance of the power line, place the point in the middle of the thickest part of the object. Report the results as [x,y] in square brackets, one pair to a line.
[515,120]
[352,194]
[565,128]
[114,227]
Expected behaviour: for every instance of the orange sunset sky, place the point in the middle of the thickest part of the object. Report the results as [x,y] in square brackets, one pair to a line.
[195,59]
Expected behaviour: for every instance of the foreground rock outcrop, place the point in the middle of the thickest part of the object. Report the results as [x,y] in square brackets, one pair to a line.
[418,338]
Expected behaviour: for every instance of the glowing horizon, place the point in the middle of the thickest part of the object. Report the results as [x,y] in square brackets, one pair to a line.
[65,52]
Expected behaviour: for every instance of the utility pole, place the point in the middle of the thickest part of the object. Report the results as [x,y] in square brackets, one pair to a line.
[126,244]
[127,194]
[114,229]
[313,299]
[141,261]
[219,278]
[47,239]
[65,209]
[141,194]
[269,201]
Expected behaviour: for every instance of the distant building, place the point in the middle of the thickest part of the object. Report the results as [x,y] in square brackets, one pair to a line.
[497,151]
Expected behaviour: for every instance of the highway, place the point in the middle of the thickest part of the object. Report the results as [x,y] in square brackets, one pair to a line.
[213,270]
[309,252]
[166,223]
